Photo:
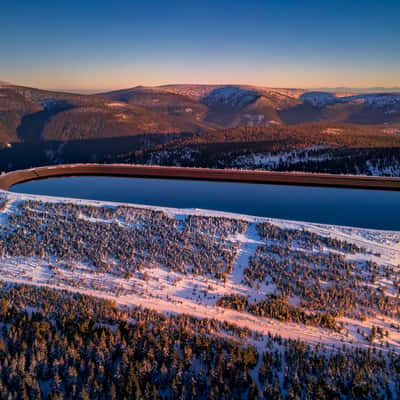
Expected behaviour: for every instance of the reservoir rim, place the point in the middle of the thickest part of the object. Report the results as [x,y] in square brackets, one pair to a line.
[10,179]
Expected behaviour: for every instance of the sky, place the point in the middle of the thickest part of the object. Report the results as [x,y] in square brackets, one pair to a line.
[102,45]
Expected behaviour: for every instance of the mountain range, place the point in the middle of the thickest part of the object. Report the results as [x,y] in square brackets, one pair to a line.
[243,105]
[45,127]
[31,115]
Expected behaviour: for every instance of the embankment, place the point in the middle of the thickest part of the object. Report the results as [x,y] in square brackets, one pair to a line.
[227,175]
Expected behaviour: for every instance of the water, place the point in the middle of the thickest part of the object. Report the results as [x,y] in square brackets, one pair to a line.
[353,207]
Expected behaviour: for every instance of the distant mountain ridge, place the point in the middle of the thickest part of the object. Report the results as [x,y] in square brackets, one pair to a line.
[35,115]
[30,114]
[246,105]
[372,89]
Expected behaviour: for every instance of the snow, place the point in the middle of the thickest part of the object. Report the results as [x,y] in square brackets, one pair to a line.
[318,99]
[167,291]
[282,160]
[233,96]
[248,244]
[376,99]
[10,207]
[322,99]
[51,103]
[255,120]
[270,160]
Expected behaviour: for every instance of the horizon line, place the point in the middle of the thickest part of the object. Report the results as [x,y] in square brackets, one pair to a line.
[97,90]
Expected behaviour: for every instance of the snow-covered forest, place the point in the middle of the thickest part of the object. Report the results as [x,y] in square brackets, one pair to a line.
[274,297]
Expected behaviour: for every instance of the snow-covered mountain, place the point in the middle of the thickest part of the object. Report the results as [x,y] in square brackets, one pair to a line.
[231,96]
[42,114]
[318,99]
[376,99]
[322,99]
[229,105]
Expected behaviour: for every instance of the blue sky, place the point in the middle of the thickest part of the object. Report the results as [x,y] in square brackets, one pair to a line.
[292,43]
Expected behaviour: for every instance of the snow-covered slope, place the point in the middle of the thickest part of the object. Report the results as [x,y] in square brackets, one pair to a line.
[322,99]
[180,286]
[318,99]
[378,99]
[230,96]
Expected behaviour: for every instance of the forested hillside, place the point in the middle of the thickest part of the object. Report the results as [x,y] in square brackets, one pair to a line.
[217,126]
[58,345]
[311,147]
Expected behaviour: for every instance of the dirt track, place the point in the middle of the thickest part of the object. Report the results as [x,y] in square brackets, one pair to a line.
[286,178]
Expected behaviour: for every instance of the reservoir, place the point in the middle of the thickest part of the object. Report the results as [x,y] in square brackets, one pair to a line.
[376,209]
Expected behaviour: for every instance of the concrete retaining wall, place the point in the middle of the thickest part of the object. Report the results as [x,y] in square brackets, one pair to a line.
[285,178]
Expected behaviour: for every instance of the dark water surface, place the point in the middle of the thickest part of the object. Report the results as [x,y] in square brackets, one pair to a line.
[353,207]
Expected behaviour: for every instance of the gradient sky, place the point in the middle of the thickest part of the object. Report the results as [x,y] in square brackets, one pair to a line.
[114,44]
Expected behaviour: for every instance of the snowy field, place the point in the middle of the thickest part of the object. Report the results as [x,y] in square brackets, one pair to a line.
[169,291]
